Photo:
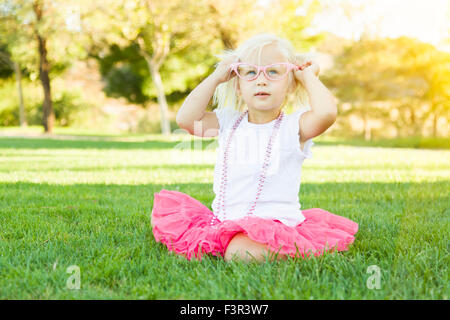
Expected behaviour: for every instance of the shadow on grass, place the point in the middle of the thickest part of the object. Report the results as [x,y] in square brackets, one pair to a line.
[194,167]
[195,142]
[172,167]
[409,142]
[42,143]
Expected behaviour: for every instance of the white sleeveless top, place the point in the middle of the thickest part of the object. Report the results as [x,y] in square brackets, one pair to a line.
[279,196]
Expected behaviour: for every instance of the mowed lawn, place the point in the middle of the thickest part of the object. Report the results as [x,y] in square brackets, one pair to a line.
[87,202]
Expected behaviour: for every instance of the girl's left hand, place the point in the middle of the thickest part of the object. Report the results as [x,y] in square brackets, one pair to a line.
[308,67]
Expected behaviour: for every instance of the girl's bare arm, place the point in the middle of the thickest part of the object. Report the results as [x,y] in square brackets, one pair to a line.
[192,115]
[323,111]
[194,106]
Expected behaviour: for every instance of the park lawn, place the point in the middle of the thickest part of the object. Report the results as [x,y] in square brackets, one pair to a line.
[87,203]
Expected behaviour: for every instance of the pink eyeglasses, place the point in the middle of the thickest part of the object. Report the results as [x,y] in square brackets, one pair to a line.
[249,72]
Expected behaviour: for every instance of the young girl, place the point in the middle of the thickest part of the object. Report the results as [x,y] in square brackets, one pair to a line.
[256,211]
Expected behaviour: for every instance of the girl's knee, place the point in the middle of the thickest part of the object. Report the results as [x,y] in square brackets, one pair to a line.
[241,247]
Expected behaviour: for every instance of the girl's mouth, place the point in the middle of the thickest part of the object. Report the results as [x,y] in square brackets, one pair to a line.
[262,94]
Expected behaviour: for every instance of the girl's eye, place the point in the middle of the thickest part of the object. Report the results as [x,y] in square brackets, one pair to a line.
[249,72]
[273,71]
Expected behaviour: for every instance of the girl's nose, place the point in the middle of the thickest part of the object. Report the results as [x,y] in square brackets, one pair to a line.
[261,78]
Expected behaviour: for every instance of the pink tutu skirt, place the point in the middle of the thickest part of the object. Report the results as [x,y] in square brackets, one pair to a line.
[182,223]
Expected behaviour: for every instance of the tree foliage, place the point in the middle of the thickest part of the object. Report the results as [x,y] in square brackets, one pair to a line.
[385,77]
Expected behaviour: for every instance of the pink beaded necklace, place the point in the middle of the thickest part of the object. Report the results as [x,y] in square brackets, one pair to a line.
[262,176]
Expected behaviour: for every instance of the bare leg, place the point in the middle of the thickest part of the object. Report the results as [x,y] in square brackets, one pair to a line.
[241,247]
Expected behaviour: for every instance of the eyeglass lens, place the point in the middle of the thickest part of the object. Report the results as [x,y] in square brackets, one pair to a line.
[275,72]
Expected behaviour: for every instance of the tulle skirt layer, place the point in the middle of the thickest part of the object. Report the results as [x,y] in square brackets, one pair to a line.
[182,223]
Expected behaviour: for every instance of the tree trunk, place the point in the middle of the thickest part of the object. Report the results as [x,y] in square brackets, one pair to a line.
[397,132]
[154,63]
[435,119]
[367,131]
[162,102]
[48,118]
[413,119]
[22,120]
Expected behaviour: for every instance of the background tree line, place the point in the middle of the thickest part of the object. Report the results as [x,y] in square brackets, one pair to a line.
[156,52]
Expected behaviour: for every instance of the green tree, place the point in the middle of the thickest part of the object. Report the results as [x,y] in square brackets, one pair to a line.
[383,77]
[11,59]
[38,37]
[158,30]
[176,39]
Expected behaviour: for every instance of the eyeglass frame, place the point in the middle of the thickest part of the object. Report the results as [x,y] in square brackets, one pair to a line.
[233,67]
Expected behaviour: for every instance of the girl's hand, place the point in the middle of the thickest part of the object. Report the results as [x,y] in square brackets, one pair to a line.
[309,67]
[223,73]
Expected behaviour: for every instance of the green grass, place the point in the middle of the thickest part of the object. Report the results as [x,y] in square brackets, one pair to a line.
[87,203]
[410,142]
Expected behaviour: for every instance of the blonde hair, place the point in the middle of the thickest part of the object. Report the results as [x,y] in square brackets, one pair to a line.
[225,95]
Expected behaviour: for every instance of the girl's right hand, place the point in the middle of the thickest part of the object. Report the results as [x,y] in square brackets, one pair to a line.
[223,73]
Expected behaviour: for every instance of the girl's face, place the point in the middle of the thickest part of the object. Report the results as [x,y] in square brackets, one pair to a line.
[277,89]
